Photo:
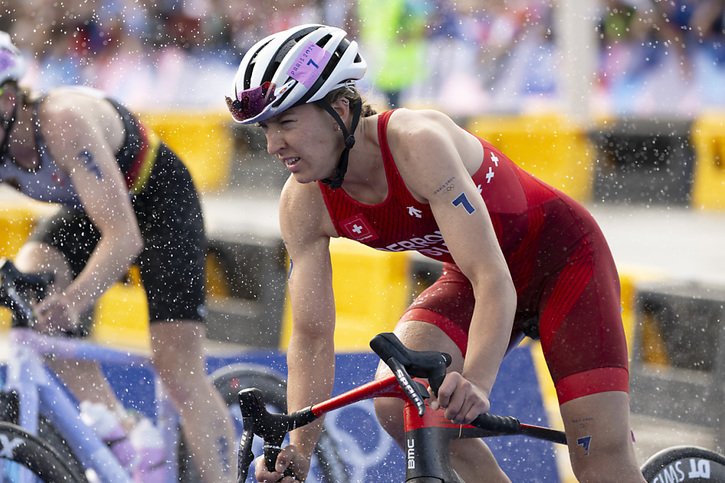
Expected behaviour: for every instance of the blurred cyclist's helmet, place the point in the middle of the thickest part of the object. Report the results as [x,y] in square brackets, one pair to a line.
[12,64]
[299,65]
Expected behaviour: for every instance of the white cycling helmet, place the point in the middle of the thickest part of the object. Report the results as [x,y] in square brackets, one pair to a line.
[12,63]
[296,66]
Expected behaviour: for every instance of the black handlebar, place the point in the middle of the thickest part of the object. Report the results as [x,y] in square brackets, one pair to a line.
[16,290]
[271,427]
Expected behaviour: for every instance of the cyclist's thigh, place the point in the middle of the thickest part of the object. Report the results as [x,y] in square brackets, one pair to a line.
[178,348]
[580,326]
[448,305]
[599,434]
[61,244]
[37,256]
[424,336]
[172,262]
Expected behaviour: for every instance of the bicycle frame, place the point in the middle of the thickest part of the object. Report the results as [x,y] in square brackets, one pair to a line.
[426,437]
[40,393]
[427,431]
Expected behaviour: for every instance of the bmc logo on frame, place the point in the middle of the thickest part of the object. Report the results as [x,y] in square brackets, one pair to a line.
[410,453]
[677,471]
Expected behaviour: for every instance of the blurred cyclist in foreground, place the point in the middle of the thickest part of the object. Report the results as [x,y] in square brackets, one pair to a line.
[125,198]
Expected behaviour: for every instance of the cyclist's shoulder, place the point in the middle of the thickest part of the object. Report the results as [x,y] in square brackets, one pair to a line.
[77,109]
[302,210]
[405,121]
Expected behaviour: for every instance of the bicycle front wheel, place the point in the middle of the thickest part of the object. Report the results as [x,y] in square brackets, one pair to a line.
[23,449]
[684,464]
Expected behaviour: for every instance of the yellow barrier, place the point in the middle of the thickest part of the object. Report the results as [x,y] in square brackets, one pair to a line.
[629,278]
[548,146]
[202,139]
[16,224]
[371,292]
[708,136]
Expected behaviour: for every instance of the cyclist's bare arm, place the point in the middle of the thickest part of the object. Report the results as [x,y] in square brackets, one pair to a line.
[306,230]
[430,150]
[79,142]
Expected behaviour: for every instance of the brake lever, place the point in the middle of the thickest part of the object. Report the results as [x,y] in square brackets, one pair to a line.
[431,365]
[415,391]
[245,456]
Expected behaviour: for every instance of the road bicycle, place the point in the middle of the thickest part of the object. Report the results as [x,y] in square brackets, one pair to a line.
[427,432]
[42,436]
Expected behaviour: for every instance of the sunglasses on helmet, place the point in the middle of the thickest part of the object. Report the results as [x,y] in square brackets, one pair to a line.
[251,102]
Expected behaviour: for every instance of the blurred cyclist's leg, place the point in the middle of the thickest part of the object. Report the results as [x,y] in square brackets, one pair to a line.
[178,355]
[84,379]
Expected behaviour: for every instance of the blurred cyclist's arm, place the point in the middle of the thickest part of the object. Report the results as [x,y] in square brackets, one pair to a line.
[82,150]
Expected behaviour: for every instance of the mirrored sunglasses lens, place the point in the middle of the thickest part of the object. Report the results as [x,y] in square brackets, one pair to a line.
[251,102]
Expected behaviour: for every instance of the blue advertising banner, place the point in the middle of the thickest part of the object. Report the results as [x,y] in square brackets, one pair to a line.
[369,453]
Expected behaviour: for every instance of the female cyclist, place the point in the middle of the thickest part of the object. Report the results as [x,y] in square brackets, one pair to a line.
[125,198]
[520,257]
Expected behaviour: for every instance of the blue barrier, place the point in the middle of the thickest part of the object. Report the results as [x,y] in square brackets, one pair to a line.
[371,454]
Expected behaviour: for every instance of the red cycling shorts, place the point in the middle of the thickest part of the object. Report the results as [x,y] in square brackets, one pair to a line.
[568,298]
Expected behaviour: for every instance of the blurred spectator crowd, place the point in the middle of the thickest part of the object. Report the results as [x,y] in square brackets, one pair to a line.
[465,56]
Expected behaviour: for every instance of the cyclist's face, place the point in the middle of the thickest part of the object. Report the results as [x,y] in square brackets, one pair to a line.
[305,139]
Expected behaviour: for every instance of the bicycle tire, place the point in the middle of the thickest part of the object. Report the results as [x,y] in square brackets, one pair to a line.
[684,464]
[232,379]
[36,455]
[48,432]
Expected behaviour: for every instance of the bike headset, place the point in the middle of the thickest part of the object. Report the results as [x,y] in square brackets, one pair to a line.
[12,68]
[297,66]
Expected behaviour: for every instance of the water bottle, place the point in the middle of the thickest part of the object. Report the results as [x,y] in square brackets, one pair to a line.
[151,465]
[108,427]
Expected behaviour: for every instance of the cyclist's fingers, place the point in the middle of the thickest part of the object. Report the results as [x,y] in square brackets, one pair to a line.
[456,406]
[474,407]
[283,461]
[291,464]
[447,389]
[262,474]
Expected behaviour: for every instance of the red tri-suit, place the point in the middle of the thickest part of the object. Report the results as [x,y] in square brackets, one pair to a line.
[566,281]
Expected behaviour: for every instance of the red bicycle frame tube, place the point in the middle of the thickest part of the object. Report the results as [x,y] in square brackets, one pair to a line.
[386,387]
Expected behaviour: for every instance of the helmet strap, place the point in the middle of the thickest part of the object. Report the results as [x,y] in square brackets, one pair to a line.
[336,180]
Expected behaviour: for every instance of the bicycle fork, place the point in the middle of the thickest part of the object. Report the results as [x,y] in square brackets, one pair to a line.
[427,441]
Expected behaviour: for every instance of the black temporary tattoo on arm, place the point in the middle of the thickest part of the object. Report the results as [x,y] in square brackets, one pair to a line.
[90,163]
[447,186]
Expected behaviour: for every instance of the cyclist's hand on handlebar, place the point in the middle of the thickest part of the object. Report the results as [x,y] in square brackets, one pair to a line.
[462,400]
[55,314]
[291,460]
